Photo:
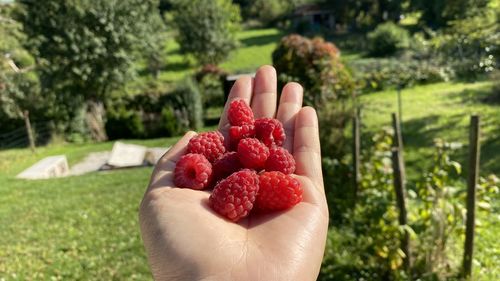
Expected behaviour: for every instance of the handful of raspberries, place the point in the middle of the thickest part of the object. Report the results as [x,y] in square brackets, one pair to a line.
[253,172]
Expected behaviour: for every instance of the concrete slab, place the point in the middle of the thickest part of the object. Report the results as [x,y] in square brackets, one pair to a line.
[49,167]
[126,155]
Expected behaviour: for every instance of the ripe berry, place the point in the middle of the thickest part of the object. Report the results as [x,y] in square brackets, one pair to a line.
[278,191]
[193,171]
[234,196]
[225,166]
[280,160]
[210,144]
[239,113]
[269,131]
[252,153]
[237,133]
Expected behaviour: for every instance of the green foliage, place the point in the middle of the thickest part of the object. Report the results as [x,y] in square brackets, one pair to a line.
[470,46]
[365,13]
[155,112]
[367,244]
[210,80]
[387,39]
[169,123]
[270,11]
[437,13]
[370,249]
[122,123]
[19,86]
[189,102]
[207,29]
[380,74]
[328,86]
[85,49]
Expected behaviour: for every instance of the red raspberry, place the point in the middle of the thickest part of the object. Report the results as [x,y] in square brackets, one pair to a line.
[234,196]
[278,191]
[239,113]
[237,133]
[280,160]
[210,144]
[252,153]
[192,171]
[225,166]
[269,131]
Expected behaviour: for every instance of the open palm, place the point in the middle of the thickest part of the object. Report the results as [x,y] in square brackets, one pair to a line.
[186,240]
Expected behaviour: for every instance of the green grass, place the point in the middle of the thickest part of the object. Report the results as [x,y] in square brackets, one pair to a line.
[255,50]
[74,228]
[437,111]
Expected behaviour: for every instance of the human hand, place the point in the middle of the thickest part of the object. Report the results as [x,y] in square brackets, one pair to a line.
[186,240]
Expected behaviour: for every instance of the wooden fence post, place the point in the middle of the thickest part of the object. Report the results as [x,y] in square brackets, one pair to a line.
[355,156]
[398,139]
[400,102]
[474,149]
[29,131]
[399,186]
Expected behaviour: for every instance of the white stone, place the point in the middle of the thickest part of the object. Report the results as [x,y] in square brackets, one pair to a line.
[49,167]
[154,154]
[127,155]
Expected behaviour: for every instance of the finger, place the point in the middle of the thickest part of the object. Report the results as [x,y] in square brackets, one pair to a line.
[166,164]
[242,89]
[306,147]
[264,92]
[290,104]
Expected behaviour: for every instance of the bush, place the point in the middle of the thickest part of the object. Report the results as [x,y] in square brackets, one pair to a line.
[122,124]
[207,29]
[189,102]
[210,81]
[156,112]
[387,38]
[327,84]
[270,11]
[380,74]
[471,46]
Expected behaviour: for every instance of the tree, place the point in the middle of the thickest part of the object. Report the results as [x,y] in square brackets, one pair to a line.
[366,12]
[437,13]
[19,85]
[207,29]
[86,49]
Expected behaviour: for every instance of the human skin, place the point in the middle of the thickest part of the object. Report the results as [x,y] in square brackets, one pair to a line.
[186,240]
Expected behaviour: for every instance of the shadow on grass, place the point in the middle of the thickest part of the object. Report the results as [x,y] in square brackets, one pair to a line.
[485,95]
[261,40]
[176,66]
[420,133]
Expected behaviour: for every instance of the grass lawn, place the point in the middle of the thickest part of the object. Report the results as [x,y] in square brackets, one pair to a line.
[75,228]
[437,111]
[85,227]
[256,48]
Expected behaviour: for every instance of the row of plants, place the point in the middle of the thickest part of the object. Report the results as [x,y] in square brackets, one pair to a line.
[364,242]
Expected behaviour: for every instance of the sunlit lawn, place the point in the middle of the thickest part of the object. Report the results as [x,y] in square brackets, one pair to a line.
[256,48]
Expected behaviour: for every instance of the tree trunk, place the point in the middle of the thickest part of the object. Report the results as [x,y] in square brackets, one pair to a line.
[94,118]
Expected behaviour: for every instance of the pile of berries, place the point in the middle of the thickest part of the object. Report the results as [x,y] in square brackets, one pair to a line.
[251,171]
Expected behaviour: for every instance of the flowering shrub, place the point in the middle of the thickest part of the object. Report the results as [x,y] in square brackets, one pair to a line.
[328,85]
